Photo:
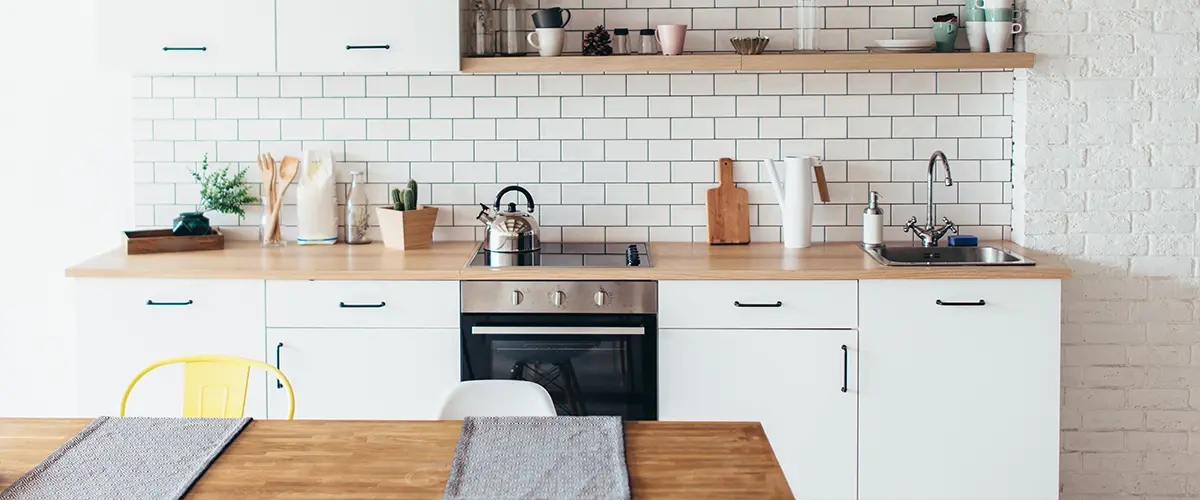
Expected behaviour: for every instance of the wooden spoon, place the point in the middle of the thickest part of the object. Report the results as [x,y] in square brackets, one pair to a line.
[287,173]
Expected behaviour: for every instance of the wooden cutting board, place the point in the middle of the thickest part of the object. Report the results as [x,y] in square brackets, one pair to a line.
[728,210]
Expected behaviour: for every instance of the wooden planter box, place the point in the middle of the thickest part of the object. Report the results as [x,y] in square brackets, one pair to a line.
[162,241]
[408,229]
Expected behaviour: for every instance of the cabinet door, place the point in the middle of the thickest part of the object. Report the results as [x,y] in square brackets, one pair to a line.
[125,325]
[345,36]
[193,36]
[790,380]
[959,400]
[364,374]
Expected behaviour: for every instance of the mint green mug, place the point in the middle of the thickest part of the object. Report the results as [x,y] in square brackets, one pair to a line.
[999,15]
[944,35]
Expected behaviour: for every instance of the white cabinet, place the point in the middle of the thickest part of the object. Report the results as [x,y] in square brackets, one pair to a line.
[959,389]
[369,374]
[124,325]
[758,304]
[345,36]
[190,36]
[790,380]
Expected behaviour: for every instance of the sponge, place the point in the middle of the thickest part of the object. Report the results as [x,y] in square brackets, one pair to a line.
[963,240]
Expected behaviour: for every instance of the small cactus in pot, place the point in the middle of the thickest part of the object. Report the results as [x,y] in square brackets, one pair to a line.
[405,199]
[404,225]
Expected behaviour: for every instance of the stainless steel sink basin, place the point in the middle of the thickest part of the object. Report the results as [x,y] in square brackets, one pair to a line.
[946,256]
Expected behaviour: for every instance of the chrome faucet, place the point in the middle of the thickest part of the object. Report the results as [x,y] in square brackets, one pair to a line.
[929,233]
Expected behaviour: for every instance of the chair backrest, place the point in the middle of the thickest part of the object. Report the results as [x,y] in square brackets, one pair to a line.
[497,398]
[214,385]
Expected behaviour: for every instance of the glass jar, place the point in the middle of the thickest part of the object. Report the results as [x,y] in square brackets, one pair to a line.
[358,213]
[510,34]
[806,34]
[620,42]
[649,43]
[272,233]
[481,29]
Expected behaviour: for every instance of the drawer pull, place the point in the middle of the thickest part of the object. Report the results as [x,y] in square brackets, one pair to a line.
[344,305]
[368,47]
[845,368]
[739,304]
[278,384]
[185,49]
[940,302]
[151,302]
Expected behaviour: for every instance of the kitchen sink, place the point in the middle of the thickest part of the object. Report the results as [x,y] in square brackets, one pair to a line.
[946,256]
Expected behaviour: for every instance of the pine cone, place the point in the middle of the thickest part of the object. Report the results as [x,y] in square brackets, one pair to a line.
[597,42]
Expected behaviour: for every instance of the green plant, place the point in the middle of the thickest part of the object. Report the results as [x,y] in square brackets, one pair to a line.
[405,199]
[222,192]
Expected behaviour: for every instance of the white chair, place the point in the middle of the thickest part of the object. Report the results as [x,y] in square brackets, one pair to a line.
[497,398]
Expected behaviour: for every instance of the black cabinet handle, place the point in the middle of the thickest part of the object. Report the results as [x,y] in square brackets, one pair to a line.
[845,368]
[185,49]
[368,47]
[151,302]
[344,305]
[739,304]
[940,302]
[278,384]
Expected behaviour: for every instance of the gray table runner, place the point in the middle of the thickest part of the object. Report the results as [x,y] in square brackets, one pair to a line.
[129,457]
[531,458]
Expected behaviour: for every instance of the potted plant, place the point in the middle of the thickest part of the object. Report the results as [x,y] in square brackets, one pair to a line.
[220,192]
[405,225]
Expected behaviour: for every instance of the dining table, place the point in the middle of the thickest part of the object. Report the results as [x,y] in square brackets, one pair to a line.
[411,459]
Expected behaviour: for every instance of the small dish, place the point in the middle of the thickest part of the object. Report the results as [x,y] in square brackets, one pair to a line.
[886,50]
[750,45]
[904,44]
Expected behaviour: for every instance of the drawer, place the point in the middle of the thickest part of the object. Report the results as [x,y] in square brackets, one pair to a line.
[362,304]
[758,304]
[974,304]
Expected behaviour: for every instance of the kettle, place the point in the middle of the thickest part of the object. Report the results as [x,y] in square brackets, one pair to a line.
[511,230]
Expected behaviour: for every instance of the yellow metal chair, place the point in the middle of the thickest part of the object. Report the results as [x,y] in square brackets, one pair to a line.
[215,385]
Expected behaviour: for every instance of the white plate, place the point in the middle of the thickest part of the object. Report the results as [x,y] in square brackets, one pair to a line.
[904,44]
[913,50]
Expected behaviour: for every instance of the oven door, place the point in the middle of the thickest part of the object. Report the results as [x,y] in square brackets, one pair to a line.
[590,364]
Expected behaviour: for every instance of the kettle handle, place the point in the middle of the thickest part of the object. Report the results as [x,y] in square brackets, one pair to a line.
[518,189]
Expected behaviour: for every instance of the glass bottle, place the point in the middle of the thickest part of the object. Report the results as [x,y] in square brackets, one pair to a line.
[806,35]
[620,41]
[481,30]
[649,43]
[510,36]
[358,213]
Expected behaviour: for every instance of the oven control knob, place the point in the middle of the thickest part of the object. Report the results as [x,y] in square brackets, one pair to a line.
[559,298]
[603,298]
[517,297]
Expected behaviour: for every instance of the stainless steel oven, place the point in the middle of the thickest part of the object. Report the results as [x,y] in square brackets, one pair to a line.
[591,344]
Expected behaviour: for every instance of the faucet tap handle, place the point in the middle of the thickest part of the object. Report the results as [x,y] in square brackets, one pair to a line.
[911,225]
[950,226]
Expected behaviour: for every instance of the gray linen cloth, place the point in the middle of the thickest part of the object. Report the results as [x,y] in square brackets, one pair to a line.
[536,458]
[129,457]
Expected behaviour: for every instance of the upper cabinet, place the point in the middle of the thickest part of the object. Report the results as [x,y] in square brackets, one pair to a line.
[193,36]
[368,36]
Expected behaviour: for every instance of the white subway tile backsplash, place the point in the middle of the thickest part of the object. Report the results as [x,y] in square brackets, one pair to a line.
[612,156]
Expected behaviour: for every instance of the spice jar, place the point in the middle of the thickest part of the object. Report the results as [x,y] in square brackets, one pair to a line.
[649,43]
[620,41]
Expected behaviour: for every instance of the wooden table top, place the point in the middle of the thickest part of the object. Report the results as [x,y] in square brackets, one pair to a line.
[411,459]
[448,261]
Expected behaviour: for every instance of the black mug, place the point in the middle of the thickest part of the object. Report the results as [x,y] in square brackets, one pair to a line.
[551,18]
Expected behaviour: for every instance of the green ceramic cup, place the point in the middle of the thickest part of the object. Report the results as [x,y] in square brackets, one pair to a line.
[944,35]
[999,15]
[974,12]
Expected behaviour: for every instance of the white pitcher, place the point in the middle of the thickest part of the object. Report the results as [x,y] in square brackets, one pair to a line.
[795,198]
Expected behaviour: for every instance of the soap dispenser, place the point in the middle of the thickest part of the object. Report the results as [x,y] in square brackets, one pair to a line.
[872,222]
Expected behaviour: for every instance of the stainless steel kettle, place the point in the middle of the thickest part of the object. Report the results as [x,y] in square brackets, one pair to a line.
[511,230]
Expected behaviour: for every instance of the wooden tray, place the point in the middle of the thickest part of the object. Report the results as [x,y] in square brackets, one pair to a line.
[161,241]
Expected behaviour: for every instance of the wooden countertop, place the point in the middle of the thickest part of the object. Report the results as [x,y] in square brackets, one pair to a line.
[411,459]
[447,261]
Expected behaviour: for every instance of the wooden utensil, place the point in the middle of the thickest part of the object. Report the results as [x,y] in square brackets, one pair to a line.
[728,210]
[286,173]
[822,186]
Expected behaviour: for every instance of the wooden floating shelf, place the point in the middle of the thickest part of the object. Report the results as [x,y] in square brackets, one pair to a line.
[837,61]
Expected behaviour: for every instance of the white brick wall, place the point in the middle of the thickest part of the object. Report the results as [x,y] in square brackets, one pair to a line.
[1106,173]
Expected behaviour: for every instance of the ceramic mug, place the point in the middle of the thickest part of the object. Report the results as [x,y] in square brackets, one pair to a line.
[977,36]
[999,35]
[551,18]
[548,41]
[992,4]
[670,38]
[973,12]
[1001,15]
[944,35]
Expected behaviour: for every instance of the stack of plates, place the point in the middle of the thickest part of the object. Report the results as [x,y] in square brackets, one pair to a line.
[901,46]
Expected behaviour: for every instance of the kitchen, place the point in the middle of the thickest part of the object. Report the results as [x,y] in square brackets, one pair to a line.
[628,157]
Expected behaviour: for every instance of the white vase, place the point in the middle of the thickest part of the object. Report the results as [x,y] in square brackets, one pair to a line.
[795,198]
